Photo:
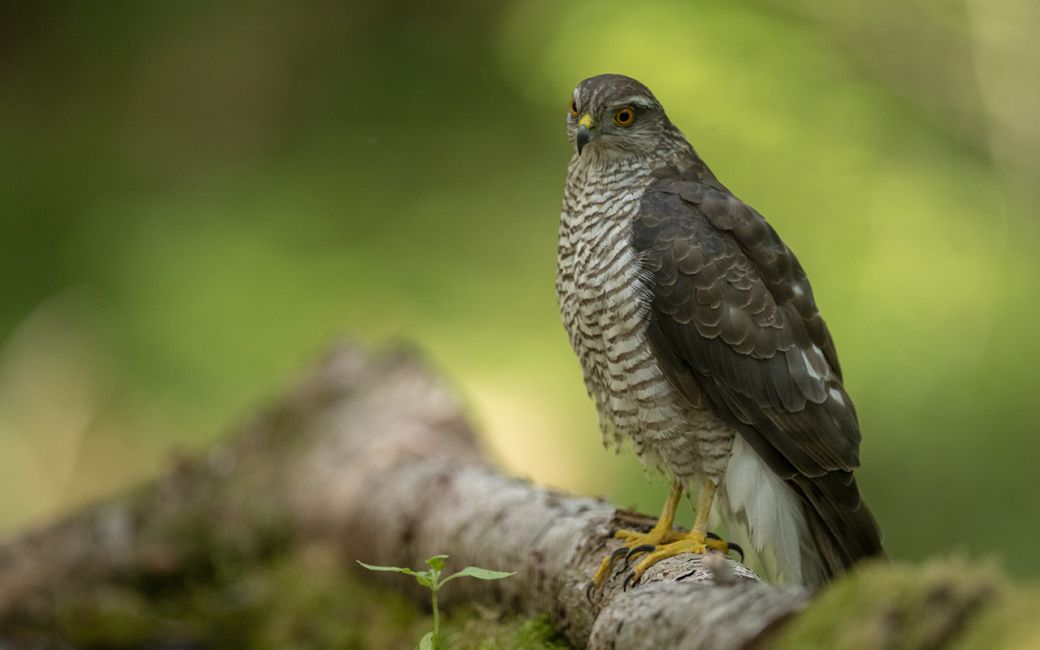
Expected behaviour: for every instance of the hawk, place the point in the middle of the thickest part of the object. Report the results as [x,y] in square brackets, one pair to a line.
[700,342]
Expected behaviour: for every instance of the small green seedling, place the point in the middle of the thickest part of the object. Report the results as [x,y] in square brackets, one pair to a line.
[431,579]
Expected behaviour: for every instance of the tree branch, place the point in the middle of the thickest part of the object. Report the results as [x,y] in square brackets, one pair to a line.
[374,455]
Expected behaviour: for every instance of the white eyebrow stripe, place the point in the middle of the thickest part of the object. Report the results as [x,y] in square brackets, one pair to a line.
[638,100]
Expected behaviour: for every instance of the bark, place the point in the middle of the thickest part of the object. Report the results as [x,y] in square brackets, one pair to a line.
[373,454]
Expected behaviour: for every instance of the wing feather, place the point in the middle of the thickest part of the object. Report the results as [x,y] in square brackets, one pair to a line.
[734,325]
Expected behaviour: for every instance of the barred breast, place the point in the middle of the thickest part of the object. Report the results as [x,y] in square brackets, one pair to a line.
[604,300]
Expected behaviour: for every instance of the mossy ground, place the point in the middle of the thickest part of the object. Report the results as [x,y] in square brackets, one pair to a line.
[946,603]
[302,601]
[306,599]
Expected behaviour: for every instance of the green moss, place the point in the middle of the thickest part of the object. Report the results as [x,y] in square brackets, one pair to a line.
[303,601]
[313,604]
[894,606]
[1012,623]
[482,629]
[306,600]
[113,617]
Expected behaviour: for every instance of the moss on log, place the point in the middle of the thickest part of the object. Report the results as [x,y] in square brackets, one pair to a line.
[251,544]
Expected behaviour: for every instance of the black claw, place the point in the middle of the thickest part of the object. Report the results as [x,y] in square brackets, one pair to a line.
[613,531]
[617,555]
[642,548]
[588,591]
[631,580]
[729,545]
[740,551]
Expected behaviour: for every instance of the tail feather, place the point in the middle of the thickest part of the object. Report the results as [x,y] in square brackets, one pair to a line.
[803,530]
[841,526]
[771,515]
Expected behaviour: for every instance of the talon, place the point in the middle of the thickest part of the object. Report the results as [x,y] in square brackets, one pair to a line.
[606,567]
[642,548]
[588,591]
[740,551]
[616,555]
[660,536]
[716,543]
[630,581]
[723,546]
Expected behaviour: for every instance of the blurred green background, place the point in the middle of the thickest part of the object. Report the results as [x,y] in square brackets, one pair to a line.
[196,198]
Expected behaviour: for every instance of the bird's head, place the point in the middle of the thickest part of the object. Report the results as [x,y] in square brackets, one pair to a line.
[612,116]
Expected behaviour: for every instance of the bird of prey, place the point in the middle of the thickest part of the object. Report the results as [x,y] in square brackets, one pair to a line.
[701,343]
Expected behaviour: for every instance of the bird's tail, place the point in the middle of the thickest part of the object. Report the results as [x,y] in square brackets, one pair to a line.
[841,528]
[804,531]
[772,518]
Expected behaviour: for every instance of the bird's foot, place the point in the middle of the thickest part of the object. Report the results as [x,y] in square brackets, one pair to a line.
[692,542]
[635,542]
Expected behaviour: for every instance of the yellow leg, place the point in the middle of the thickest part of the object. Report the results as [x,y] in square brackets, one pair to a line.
[696,541]
[700,523]
[664,523]
[661,533]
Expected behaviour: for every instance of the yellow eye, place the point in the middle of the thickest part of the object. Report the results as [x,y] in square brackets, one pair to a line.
[625,116]
[573,108]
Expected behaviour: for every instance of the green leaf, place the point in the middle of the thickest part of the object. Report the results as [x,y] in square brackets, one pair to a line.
[395,569]
[480,574]
[426,643]
[426,579]
[437,562]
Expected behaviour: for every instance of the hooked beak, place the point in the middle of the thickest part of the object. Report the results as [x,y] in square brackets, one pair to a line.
[585,126]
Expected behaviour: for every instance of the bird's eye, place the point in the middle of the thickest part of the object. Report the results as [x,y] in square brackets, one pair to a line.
[574,108]
[625,116]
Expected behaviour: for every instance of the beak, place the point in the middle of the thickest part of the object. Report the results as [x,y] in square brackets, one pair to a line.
[585,127]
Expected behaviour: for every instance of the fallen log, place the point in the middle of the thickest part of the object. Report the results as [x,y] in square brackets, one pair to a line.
[374,455]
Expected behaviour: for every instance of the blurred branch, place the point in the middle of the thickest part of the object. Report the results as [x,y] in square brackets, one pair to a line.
[373,455]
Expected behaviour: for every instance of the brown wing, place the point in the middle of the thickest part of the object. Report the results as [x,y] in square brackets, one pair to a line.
[735,327]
